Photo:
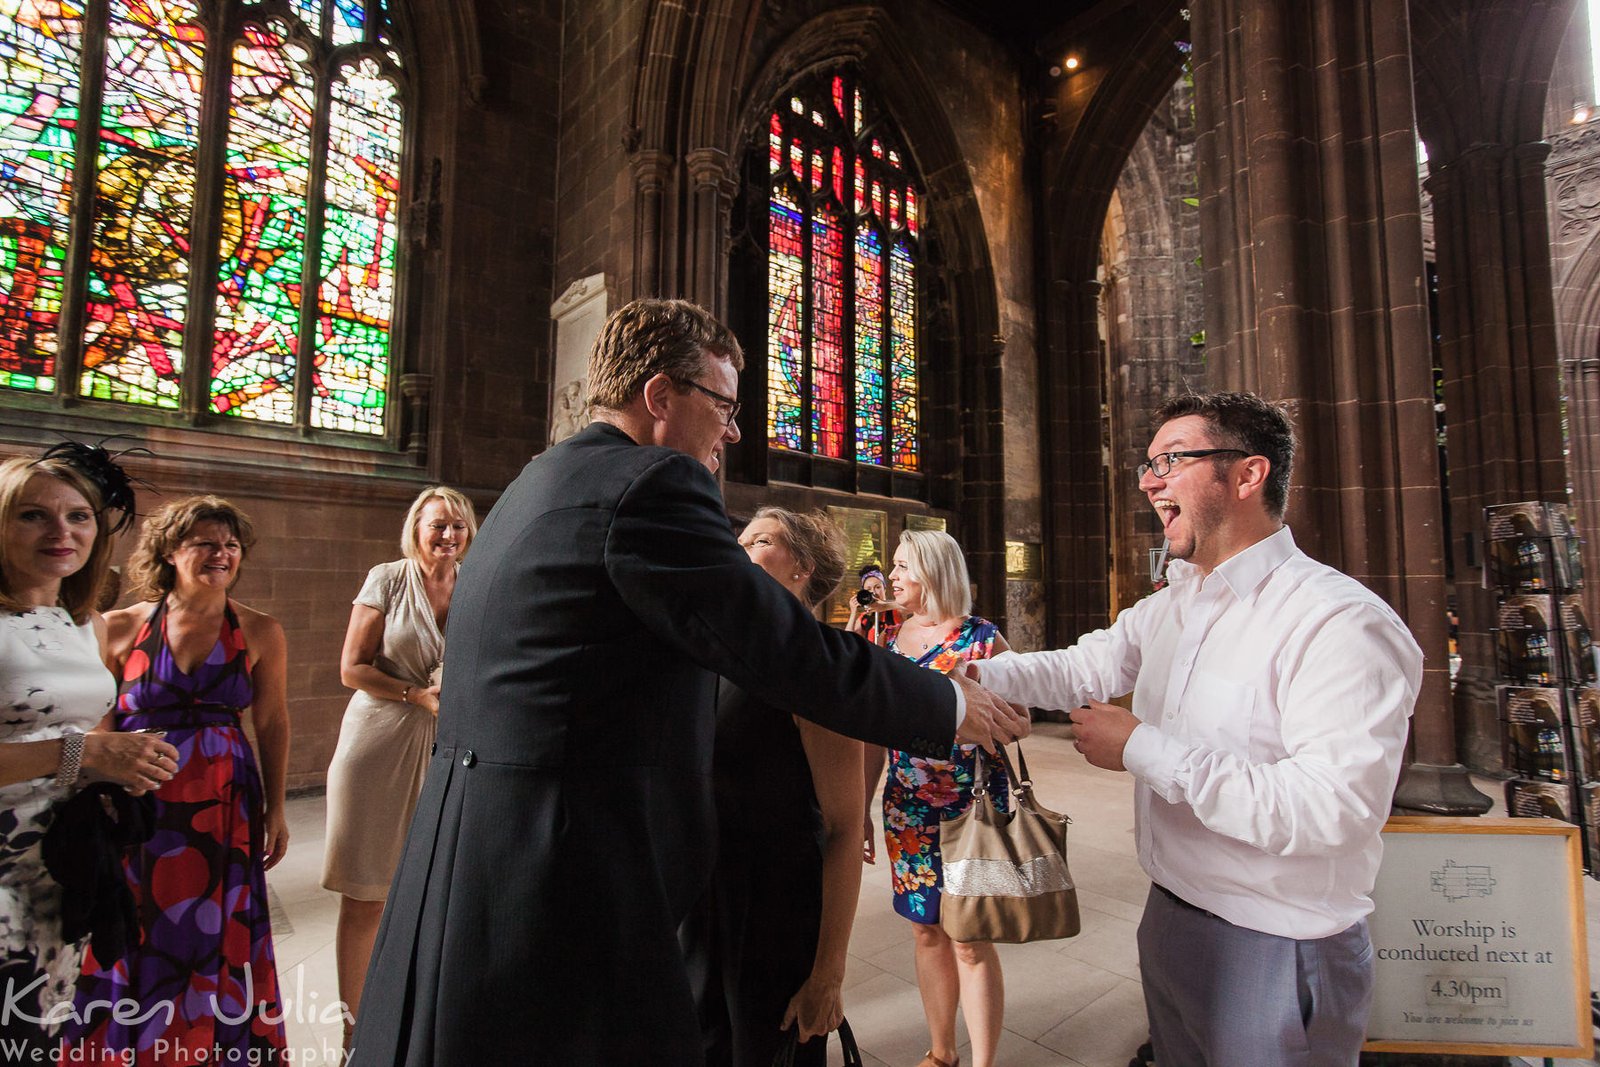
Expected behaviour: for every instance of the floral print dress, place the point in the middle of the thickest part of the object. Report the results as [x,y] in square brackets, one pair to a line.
[920,793]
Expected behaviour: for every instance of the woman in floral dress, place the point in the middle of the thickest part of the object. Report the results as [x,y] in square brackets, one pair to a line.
[930,584]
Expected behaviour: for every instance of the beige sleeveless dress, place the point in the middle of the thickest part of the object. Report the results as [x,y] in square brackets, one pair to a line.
[384,745]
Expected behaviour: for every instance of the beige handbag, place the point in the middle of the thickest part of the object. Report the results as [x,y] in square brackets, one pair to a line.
[1005,874]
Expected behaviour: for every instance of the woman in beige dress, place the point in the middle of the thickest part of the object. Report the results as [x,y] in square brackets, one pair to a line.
[393,653]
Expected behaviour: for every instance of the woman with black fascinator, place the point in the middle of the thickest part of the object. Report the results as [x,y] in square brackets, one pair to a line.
[56,529]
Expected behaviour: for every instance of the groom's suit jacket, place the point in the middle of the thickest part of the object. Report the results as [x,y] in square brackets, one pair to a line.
[566,826]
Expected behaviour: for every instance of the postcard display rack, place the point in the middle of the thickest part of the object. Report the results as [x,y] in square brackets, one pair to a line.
[1545,657]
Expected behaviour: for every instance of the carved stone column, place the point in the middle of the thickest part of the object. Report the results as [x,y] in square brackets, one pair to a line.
[1311,234]
[1075,550]
[712,194]
[1501,383]
[417,390]
[651,169]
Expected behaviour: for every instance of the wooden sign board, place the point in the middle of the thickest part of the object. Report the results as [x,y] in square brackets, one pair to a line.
[1479,941]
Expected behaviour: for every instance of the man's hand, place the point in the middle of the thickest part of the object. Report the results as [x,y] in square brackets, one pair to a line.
[1103,731]
[989,721]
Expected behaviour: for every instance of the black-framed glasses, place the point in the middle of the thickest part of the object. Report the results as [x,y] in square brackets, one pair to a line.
[721,401]
[1161,463]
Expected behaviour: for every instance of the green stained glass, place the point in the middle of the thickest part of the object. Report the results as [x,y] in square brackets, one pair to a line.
[355,298]
[40,45]
[902,357]
[263,231]
[139,266]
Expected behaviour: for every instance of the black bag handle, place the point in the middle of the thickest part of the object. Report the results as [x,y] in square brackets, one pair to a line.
[847,1041]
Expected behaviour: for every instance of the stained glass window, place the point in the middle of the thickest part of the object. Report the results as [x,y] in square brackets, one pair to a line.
[842,355]
[40,48]
[208,251]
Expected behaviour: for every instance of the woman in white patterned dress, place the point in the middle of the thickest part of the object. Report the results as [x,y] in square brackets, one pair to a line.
[55,549]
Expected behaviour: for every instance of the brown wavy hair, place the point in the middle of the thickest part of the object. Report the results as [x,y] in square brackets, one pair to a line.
[80,590]
[148,575]
[815,541]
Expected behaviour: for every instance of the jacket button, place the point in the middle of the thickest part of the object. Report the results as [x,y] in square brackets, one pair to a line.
[433,749]
[468,758]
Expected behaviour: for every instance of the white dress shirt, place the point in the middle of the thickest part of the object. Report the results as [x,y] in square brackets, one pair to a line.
[1273,697]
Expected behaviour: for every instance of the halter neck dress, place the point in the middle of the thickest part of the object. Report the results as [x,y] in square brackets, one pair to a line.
[204,980]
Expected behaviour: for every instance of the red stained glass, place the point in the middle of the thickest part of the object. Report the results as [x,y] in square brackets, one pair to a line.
[838,95]
[861,187]
[817,165]
[827,335]
[877,198]
[797,160]
[838,176]
[894,209]
[911,211]
[785,314]
[877,148]
[775,145]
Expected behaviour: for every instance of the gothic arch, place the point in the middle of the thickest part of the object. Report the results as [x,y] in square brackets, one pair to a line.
[1100,112]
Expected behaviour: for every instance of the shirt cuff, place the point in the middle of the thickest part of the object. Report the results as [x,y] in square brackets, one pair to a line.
[961,703]
[1154,758]
[994,672]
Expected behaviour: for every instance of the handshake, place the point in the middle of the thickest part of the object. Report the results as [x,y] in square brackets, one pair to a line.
[989,721]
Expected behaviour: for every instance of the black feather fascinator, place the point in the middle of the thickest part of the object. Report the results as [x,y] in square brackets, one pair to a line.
[101,468]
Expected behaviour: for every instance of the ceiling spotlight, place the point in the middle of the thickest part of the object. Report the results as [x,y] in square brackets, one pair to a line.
[1580,113]
[1071,63]
[1055,72]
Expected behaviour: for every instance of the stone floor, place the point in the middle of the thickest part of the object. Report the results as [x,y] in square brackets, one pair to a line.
[1073,1003]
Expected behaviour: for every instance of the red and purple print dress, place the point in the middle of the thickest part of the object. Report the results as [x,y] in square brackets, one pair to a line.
[920,793]
[203,982]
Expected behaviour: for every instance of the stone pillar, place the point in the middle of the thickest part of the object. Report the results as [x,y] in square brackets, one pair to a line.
[712,194]
[1312,242]
[1502,397]
[1075,549]
[650,171]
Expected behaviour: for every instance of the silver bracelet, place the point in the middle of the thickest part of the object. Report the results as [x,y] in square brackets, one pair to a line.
[71,765]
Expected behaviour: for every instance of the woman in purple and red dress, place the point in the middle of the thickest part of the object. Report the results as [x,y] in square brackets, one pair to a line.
[190,662]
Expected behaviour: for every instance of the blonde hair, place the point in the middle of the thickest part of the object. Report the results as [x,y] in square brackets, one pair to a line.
[148,574]
[816,543]
[650,337]
[455,500]
[935,561]
[81,589]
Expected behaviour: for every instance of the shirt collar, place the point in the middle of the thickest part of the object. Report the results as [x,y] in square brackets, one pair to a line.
[1244,571]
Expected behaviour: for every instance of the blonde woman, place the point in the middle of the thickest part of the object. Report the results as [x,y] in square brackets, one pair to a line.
[393,651]
[930,585]
[55,544]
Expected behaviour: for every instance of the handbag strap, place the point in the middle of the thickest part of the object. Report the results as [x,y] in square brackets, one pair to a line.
[1021,785]
[847,1042]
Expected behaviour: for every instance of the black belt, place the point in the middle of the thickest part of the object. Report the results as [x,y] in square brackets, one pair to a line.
[1176,899]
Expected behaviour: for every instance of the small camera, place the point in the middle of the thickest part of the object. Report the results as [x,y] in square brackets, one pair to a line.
[863,598]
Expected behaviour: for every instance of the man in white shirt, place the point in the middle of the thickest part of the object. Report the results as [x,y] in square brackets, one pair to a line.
[1270,703]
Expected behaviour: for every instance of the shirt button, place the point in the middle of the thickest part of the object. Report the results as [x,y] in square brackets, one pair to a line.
[468,758]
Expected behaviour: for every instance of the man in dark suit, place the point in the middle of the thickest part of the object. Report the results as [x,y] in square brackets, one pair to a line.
[566,824]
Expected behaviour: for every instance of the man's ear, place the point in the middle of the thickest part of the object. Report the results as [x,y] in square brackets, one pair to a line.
[658,393]
[1252,476]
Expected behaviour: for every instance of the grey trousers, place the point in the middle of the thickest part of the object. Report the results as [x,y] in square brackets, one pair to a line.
[1219,995]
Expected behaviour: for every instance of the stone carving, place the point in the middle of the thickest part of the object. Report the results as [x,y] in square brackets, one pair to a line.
[1578,201]
[570,412]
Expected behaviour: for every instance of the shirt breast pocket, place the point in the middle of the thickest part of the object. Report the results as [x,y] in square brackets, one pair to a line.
[1219,713]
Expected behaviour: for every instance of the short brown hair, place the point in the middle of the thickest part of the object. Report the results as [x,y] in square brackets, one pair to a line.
[80,590]
[1249,423]
[815,542]
[650,337]
[148,574]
